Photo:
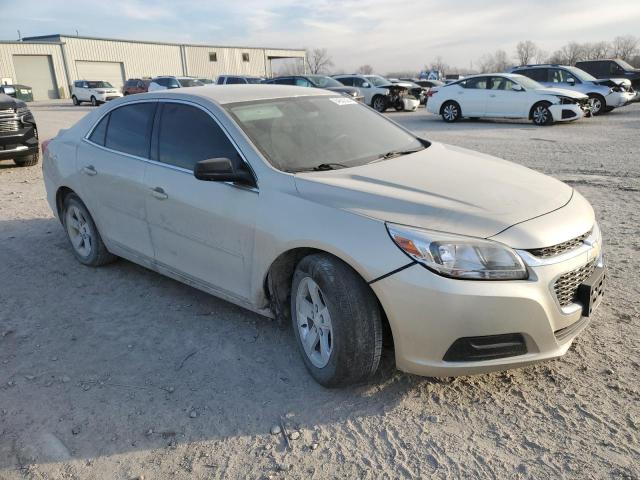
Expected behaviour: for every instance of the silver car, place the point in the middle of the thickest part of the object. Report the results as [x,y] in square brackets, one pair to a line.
[307,206]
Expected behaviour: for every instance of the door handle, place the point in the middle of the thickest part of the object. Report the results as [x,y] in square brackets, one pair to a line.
[492,95]
[159,193]
[90,170]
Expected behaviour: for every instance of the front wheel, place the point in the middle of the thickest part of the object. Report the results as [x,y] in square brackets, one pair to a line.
[336,321]
[27,160]
[598,104]
[379,103]
[94,102]
[541,115]
[83,234]
[75,100]
[451,112]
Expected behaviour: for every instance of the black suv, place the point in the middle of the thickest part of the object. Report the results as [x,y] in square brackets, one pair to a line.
[612,69]
[18,132]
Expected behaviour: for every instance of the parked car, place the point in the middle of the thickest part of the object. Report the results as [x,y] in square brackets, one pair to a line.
[238,79]
[8,90]
[604,97]
[94,91]
[306,206]
[507,95]
[415,90]
[426,83]
[18,132]
[170,82]
[207,81]
[379,92]
[612,68]
[317,81]
[136,85]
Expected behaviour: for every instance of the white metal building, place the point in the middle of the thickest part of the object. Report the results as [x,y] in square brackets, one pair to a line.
[49,64]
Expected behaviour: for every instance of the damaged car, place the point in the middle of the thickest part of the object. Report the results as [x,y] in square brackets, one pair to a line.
[18,132]
[507,95]
[380,93]
[605,94]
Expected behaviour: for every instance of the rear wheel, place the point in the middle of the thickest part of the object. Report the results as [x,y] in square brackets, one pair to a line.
[27,160]
[83,235]
[541,115]
[379,103]
[598,104]
[75,100]
[94,102]
[451,112]
[336,321]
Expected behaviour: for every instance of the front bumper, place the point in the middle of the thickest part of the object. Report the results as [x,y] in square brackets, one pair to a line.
[567,112]
[619,99]
[16,144]
[429,313]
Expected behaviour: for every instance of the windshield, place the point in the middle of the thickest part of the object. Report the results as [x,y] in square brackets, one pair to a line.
[581,74]
[377,80]
[99,85]
[625,65]
[254,79]
[526,82]
[190,82]
[324,82]
[300,133]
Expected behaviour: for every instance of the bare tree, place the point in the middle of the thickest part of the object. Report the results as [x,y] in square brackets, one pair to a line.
[438,65]
[493,62]
[319,60]
[526,51]
[569,54]
[625,47]
[542,56]
[596,50]
[365,69]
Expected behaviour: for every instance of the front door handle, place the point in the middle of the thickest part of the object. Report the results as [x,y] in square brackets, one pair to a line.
[159,193]
[90,170]
[492,95]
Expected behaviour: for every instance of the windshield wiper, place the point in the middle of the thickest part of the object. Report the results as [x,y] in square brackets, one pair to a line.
[328,166]
[395,153]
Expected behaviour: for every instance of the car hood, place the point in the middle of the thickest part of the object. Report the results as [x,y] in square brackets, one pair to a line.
[562,92]
[7,102]
[442,188]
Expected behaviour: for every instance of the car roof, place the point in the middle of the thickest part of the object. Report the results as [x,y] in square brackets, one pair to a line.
[496,74]
[224,94]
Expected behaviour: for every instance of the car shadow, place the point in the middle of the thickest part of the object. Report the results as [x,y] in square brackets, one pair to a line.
[100,361]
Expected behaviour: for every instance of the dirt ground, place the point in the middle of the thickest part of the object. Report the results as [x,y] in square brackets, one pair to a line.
[118,372]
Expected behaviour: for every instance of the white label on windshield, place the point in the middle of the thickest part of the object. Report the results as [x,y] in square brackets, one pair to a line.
[342,101]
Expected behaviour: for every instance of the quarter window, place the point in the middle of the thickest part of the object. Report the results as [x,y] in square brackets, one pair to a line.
[129,129]
[188,135]
[98,134]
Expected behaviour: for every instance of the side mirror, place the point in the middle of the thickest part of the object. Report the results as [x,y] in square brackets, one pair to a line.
[517,88]
[571,80]
[221,170]
[365,85]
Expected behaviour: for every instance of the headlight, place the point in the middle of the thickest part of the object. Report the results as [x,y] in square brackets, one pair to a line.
[457,256]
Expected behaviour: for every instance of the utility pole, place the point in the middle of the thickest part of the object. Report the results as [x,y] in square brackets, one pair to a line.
[19,36]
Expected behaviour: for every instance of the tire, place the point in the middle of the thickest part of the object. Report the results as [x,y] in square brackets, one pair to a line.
[94,102]
[27,160]
[75,100]
[379,103]
[450,112]
[598,104]
[349,350]
[541,115]
[77,222]
[399,106]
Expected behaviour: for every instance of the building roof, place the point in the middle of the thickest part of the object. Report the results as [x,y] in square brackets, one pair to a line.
[224,94]
[60,38]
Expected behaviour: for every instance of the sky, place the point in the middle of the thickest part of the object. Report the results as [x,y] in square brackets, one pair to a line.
[390,35]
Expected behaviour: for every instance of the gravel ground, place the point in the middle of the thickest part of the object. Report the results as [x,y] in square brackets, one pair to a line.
[118,372]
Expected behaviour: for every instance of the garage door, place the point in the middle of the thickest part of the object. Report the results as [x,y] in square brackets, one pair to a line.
[36,71]
[111,72]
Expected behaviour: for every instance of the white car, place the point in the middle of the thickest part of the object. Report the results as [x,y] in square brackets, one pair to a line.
[171,82]
[307,206]
[506,95]
[96,92]
[374,88]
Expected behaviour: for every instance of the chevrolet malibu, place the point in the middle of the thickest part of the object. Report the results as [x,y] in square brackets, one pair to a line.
[307,206]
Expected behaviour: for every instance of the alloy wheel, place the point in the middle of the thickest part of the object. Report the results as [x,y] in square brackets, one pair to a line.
[541,115]
[79,231]
[596,106]
[314,322]
[450,112]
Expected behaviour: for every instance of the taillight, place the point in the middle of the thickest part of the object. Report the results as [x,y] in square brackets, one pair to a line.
[44,145]
[431,93]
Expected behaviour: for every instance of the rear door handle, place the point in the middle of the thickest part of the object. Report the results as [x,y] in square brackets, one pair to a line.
[159,193]
[90,170]
[492,95]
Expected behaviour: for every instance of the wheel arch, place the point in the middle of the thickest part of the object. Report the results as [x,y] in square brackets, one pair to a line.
[61,194]
[279,276]
[539,102]
[444,104]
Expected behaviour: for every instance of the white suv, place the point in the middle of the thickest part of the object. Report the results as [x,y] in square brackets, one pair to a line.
[374,88]
[96,92]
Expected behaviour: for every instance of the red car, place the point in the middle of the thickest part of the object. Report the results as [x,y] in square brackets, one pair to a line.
[135,85]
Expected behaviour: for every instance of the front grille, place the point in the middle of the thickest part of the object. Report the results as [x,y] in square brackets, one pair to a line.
[7,111]
[566,286]
[568,114]
[9,125]
[560,248]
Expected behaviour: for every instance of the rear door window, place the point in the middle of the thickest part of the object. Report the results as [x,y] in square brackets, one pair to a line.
[129,129]
[99,132]
[235,80]
[187,135]
[479,83]
[348,81]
